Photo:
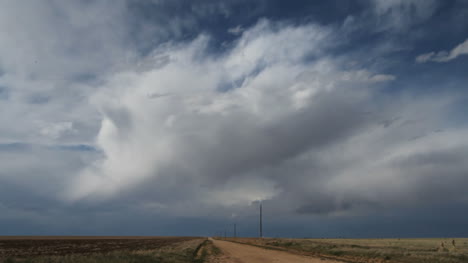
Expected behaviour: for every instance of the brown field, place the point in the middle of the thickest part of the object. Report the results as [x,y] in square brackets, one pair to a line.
[371,250]
[97,249]
[199,250]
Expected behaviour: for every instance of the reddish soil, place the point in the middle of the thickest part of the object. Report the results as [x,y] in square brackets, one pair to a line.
[241,253]
[35,246]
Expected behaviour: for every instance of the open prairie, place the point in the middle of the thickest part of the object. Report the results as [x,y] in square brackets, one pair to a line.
[432,250]
[220,250]
[98,249]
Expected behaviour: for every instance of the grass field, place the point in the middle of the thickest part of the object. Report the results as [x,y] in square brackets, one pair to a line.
[198,250]
[100,249]
[372,250]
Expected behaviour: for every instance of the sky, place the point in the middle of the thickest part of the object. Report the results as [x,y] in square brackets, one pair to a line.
[177,117]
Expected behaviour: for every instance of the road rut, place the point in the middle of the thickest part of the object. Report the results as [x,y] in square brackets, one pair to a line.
[239,253]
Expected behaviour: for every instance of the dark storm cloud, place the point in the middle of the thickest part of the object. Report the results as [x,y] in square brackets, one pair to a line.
[233,151]
[324,206]
[30,177]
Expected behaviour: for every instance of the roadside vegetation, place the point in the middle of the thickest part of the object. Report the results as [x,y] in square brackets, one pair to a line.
[206,252]
[178,252]
[372,250]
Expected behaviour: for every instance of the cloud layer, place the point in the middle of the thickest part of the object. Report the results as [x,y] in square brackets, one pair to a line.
[273,117]
[107,113]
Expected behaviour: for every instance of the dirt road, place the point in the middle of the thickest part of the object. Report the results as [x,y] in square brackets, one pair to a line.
[239,253]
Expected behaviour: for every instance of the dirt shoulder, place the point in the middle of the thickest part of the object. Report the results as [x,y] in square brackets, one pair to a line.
[443,250]
[240,253]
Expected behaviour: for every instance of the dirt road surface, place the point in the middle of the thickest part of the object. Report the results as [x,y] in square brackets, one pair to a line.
[239,253]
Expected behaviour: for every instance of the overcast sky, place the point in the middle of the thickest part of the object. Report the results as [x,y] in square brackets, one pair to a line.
[173,117]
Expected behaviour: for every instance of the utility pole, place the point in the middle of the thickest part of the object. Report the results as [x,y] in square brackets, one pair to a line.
[261,227]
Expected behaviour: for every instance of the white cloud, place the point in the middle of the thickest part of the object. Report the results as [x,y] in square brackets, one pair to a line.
[444,56]
[262,115]
[56,130]
[382,78]
[50,60]
[236,30]
[141,137]
[425,57]
[275,116]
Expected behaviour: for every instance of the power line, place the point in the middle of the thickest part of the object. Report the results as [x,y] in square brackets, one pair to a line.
[261,227]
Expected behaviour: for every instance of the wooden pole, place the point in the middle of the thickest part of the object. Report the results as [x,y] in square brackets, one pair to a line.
[261,227]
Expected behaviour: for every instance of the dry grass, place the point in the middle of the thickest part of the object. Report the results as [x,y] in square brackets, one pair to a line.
[101,250]
[206,252]
[373,250]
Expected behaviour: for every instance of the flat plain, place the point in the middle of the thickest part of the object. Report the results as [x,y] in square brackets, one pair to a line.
[98,249]
[434,250]
[221,250]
